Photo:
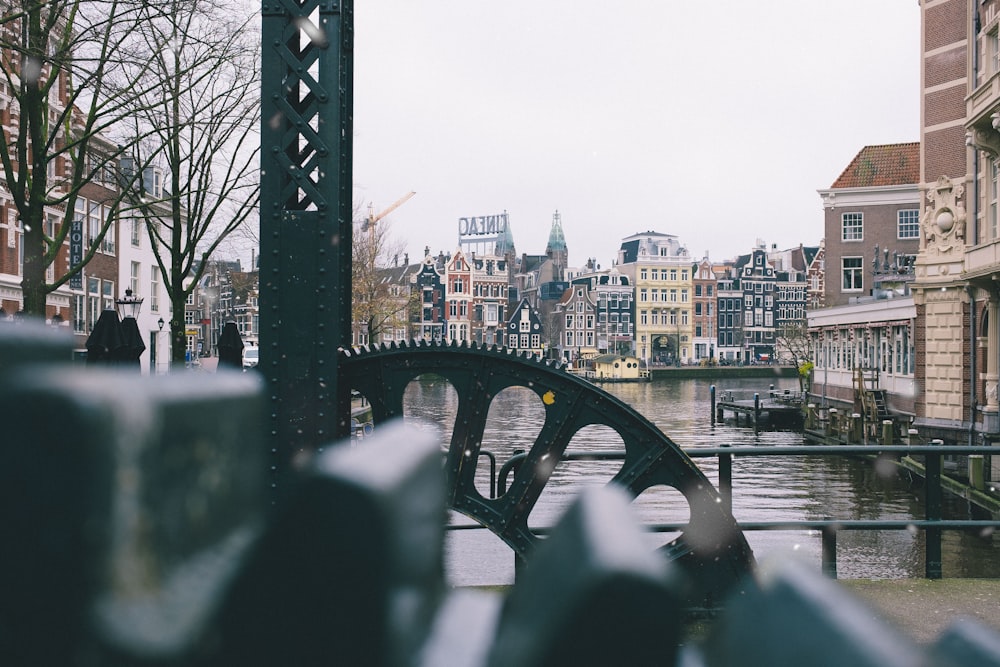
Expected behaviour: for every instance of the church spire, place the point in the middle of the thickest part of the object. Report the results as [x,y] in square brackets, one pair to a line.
[556,248]
[505,240]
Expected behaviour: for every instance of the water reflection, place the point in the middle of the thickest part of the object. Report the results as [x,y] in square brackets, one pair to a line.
[764,489]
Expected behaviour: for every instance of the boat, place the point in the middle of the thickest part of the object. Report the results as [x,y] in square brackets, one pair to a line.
[612,368]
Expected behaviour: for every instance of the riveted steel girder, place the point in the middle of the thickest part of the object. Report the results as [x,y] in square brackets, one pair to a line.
[305,218]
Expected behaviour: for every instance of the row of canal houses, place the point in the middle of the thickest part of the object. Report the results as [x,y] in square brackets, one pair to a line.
[655,302]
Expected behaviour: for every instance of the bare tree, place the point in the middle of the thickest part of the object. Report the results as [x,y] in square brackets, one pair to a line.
[61,95]
[380,301]
[199,128]
[792,343]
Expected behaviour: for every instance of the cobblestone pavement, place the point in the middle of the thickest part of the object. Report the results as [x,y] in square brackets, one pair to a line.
[923,608]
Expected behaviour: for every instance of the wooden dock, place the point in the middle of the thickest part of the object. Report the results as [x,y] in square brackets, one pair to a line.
[780,408]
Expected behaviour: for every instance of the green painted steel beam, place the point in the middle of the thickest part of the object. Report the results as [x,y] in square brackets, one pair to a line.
[305,220]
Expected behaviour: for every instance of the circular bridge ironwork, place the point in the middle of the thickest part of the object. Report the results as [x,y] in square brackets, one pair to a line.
[711,552]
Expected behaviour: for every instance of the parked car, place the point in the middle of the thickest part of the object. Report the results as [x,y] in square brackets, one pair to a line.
[251,357]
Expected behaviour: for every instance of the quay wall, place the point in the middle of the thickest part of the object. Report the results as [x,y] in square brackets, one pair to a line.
[721,372]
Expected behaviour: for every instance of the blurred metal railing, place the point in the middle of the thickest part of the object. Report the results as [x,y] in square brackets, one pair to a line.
[932,524]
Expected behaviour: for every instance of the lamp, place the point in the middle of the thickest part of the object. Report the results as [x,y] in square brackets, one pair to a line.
[128,305]
[159,323]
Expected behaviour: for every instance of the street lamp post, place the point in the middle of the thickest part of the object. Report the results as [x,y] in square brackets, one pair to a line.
[128,308]
[129,305]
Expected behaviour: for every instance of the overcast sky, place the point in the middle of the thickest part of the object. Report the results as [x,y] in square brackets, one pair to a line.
[713,121]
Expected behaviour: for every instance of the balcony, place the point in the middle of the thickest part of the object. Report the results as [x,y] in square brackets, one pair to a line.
[982,260]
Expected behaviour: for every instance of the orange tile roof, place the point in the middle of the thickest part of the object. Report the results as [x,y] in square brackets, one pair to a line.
[874,166]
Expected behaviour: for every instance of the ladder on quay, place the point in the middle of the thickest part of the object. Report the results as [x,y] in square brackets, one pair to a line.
[874,405]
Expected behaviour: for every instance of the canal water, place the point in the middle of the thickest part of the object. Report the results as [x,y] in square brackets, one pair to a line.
[764,488]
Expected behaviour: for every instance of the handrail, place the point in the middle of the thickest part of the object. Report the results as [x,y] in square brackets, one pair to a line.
[932,524]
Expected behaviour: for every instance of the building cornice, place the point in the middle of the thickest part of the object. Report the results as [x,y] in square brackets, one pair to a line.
[883,195]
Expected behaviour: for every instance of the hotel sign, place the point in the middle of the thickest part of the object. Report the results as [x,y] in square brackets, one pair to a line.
[76,252]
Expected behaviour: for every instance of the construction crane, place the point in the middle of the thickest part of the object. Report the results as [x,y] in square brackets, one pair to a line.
[370,221]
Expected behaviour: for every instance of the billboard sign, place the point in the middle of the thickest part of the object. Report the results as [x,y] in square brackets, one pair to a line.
[481,226]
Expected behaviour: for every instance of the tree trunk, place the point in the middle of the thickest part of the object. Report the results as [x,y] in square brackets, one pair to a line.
[31,212]
[178,331]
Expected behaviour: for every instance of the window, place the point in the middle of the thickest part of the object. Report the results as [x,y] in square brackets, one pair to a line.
[134,279]
[136,228]
[93,220]
[852,276]
[994,191]
[108,243]
[157,183]
[79,314]
[908,224]
[108,295]
[852,227]
[154,290]
[993,52]
[93,302]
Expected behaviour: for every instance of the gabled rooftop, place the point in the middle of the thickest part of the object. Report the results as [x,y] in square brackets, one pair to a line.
[876,166]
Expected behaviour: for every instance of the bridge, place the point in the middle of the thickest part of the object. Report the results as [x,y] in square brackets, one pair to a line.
[229,522]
